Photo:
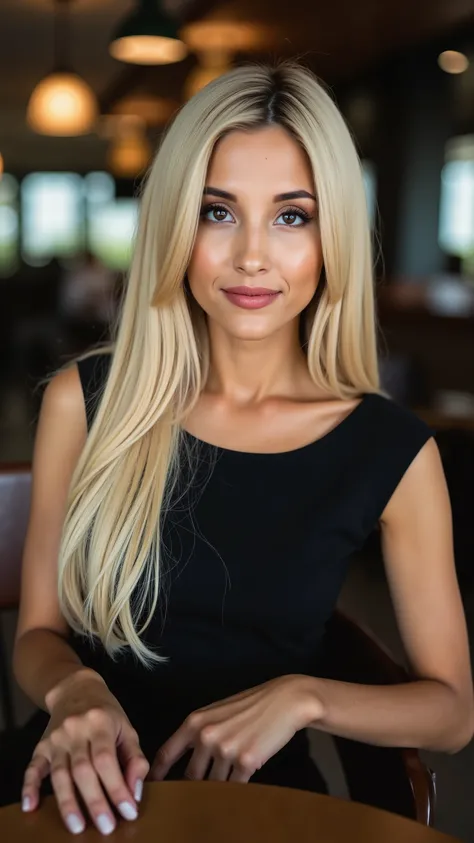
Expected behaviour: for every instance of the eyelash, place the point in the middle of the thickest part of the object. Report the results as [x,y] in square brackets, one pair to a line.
[297,211]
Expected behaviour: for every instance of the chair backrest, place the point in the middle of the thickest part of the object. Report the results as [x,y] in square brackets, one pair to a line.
[15,489]
[390,778]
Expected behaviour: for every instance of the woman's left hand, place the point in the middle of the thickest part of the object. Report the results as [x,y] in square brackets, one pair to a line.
[239,734]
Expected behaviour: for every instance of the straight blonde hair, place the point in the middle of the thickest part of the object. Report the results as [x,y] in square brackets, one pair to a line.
[120,489]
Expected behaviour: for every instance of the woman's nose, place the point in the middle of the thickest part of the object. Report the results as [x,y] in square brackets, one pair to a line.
[251,251]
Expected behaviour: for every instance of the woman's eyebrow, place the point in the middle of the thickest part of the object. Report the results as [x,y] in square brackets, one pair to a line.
[280,197]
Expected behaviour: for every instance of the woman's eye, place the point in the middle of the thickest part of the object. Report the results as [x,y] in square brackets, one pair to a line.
[294,215]
[217,210]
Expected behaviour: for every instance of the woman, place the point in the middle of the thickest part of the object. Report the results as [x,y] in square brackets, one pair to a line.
[198,491]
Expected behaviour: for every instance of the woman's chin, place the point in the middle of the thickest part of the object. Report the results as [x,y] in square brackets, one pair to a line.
[250,333]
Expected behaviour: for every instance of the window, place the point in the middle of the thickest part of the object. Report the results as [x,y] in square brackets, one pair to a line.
[111,231]
[9,226]
[456,222]
[52,216]
[60,215]
[370,184]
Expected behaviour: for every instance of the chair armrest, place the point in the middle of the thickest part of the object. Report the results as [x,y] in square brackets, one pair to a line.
[352,653]
[388,777]
[15,490]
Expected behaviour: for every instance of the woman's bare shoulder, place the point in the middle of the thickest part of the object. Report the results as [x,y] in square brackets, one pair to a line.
[63,402]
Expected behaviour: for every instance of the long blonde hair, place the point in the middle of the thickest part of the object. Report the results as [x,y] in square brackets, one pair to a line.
[110,544]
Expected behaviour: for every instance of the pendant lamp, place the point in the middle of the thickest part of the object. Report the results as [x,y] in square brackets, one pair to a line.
[452,61]
[154,110]
[212,63]
[62,104]
[147,36]
[129,154]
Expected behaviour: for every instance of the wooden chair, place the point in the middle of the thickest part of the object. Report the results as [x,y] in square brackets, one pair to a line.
[15,483]
[390,778]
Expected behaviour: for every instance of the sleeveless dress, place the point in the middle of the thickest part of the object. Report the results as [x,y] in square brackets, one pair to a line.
[255,550]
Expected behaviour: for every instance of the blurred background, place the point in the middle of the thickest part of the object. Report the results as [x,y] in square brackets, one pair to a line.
[86,87]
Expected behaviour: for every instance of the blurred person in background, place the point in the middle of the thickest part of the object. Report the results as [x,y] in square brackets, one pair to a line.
[87,302]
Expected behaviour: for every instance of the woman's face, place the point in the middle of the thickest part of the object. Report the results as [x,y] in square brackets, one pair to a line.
[251,237]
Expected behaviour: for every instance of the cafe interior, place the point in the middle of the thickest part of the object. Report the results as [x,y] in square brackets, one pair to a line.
[83,103]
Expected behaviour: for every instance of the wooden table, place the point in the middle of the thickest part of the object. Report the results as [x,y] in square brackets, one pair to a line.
[227,812]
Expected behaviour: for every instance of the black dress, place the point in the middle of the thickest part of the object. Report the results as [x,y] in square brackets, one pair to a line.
[256,548]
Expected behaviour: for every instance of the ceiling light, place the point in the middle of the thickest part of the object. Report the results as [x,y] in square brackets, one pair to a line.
[227,35]
[129,155]
[451,61]
[211,65]
[62,103]
[112,126]
[152,109]
[147,36]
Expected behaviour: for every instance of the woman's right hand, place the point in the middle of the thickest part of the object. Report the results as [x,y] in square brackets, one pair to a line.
[89,743]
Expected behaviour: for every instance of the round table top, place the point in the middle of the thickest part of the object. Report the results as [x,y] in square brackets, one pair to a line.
[228,812]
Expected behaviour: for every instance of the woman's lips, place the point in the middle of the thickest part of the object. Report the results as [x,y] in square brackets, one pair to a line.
[250,301]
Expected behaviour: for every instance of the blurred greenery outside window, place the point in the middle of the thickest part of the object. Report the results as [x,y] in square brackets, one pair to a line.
[60,215]
[53,223]
[456,219]
[9,225]
[370,184]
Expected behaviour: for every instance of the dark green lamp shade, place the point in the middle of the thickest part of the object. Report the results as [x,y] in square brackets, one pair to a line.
[147,36]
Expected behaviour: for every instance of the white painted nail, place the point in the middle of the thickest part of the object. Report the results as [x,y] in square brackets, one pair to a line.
[105,824]
[74,824]
[138,790]
[26,804]
[128,811]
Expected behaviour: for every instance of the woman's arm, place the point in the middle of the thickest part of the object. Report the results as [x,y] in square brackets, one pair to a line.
[42,657]
[436,712]
[46,666]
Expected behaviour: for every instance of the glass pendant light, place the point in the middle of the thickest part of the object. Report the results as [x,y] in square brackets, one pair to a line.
[129,153]
[62,104]
[212,63]
[452,61]
[147,36]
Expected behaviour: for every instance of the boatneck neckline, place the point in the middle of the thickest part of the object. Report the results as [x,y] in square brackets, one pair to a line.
[346,421]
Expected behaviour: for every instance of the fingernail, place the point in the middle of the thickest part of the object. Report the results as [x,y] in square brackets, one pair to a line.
[74,824]
[128,811]
[105,824]
[138,790]
[26,804]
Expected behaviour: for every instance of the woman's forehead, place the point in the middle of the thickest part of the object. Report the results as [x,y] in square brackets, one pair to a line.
[242,160]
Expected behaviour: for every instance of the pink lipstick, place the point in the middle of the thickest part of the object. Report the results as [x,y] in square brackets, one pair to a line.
[251,298]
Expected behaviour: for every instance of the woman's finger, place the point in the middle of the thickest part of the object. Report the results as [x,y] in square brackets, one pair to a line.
[65,793]
[134,763]
[220,770]
[198,764]
[170,753]
[105,762]
[241,774]
[87,781]
[37,770]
